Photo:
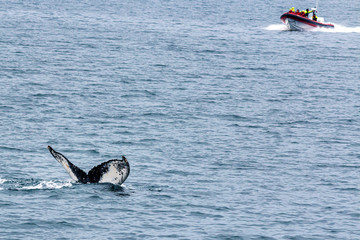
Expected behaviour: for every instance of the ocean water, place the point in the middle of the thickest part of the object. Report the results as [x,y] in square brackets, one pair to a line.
[234,128]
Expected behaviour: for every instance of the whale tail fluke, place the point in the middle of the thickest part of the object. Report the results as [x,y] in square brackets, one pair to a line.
[113,171]
[75,173]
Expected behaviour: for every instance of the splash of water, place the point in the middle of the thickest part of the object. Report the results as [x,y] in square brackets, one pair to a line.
[337,29]
[341,29]
[47,185]
[276,27]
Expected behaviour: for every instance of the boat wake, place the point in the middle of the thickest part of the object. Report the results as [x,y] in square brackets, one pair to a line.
[341,29]
[337,29]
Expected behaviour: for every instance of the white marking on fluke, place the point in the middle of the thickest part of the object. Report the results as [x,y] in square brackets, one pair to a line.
[113,171]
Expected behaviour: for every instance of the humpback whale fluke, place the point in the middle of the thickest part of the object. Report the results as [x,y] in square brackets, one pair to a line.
[113,171]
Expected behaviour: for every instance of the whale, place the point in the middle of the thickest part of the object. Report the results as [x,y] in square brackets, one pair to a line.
[114,171]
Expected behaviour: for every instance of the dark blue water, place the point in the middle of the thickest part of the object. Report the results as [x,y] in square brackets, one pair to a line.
[234,128]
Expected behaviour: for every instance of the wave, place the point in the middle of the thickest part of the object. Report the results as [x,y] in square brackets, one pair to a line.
[2,180]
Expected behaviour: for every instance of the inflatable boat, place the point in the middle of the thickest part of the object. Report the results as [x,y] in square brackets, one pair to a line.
[301,23]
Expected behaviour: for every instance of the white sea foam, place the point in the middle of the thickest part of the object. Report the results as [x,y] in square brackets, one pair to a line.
[48,185]
[341,29]
[2,180]
[337,28]
[276,27]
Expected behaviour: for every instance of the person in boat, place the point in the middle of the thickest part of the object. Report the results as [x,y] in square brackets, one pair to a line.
[302,13]
[307,12]
[291,10]
[314,17]
[297,12]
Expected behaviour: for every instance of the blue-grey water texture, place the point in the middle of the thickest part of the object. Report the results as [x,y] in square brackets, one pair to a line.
[234,127]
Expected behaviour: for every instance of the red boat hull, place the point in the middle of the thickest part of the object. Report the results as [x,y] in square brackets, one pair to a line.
[301,23]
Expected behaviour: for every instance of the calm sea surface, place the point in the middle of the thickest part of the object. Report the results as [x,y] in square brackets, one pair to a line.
[233,127]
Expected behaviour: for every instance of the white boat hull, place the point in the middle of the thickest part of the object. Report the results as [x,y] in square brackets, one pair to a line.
[297,26]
